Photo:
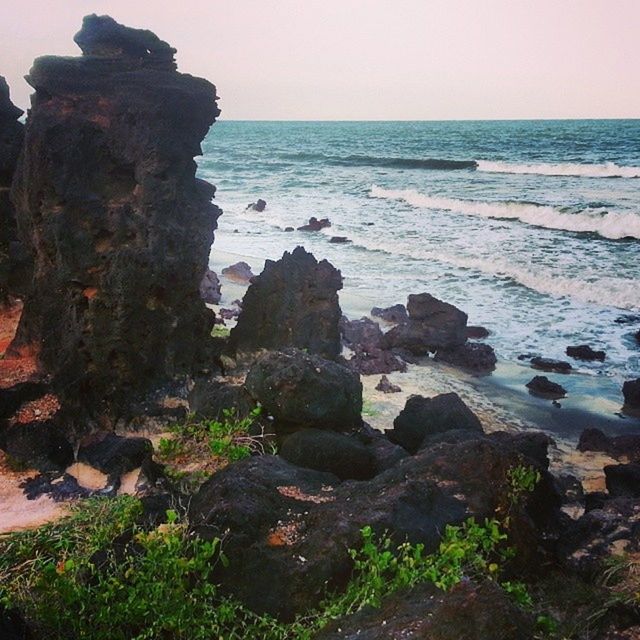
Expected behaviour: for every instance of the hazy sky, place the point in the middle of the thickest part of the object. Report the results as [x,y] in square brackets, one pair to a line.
[370,59]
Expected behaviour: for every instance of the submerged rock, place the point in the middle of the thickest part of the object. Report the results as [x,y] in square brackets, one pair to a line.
[119,226]
[260,205]
[585,352]
[239,272]
[339,240]
[303,390]
[432,325]
[548,364]
[292,303]
[542,386]
[210,288]
[315,225]
[422,417]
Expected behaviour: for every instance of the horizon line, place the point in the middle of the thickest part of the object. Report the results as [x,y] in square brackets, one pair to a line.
[572,119]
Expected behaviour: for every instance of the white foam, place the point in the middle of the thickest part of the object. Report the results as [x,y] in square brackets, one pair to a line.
[609,224]
[604,170]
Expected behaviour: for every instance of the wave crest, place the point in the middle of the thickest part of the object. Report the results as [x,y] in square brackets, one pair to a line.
[608,224]
[604,170]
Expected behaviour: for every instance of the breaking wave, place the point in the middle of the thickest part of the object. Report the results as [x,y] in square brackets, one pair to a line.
[608,224]
[605,170]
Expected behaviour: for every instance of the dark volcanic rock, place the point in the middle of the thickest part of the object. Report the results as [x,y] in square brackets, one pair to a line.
[623,480]
[41,445]
[337,453]
[585,352]
[616,446]
[386,386]
[119,226]
[475,332]
[542,386]
[467,612]
[422,417]
[364,333]
[292,303]
[303,390]
[315,225]
[479,358]
[396,314]
[287,530]
[548,364]
[637,336]
[15,264]
[210,398]
[210,288]
[631,393]
[432,325]
[385,453]
[115,455]
[339,240]
[239,272]
[376,361]
[258,206]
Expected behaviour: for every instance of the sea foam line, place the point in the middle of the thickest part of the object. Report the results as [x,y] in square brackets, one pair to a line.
[609,224]
[604,170]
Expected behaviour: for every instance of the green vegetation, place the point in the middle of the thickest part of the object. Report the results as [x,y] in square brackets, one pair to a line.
[220,331]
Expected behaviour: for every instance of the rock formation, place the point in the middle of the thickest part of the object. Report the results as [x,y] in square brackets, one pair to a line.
[14,264]
[292,303]
[119,227]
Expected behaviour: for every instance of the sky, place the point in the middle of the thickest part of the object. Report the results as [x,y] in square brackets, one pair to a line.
[370,59]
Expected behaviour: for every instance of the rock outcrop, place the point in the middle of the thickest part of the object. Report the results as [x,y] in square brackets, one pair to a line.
[545,388]
[119,227]
[292,303]
[210,288]
[631,393]
[15,273]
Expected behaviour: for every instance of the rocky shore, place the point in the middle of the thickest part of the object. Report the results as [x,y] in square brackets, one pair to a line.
[219,474]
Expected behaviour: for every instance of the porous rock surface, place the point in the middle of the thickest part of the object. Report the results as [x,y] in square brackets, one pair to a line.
[119,227]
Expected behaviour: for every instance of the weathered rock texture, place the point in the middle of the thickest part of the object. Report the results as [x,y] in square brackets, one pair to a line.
[13,263]
[292,303]
[119,227]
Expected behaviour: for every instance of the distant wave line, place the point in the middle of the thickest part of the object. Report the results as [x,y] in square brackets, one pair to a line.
[604,170]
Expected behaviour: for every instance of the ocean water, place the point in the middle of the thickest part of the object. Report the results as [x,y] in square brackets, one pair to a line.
[531,227]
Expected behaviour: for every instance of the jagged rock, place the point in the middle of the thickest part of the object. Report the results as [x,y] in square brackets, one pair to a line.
[210,398]
[375,361]
[303,390]
[623,480]
[545,388]
[585,352]
[339,240]
[210,288]
[615,446]
[15,264]
[115,455]
[258,206]
[239,272]
[397,314]
[292,303]
[41,445]
[468,612]
[315,225]
[475,332]
[287,530]
[432,325]
[364,333]
[119,226]
[479,358]
[631,393]
[337,453]
[548,364]
[386,386]
[426,416]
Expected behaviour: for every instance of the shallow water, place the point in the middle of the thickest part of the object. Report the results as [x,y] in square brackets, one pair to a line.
[536,233]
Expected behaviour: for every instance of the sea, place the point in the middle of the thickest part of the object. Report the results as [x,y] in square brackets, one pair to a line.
[531,227]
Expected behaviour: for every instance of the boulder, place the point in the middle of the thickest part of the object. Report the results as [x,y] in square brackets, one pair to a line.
[631,393]
[288,530]
[545,388]
[474,357]
[115,455]
[397,314]
[15,264]
[375,361]
[468,612]
[292,303]
[422,417]
[239,272]
[315,225]
[475,332]
[39,445]
[627,446]
[364,334]
[210,398]
[342,455]
[119,226]
[585,352]
[210,287]
[548,364]
[386,386]
[259,206]
[432,325]
[303,390]
[385,453]
[623,480]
